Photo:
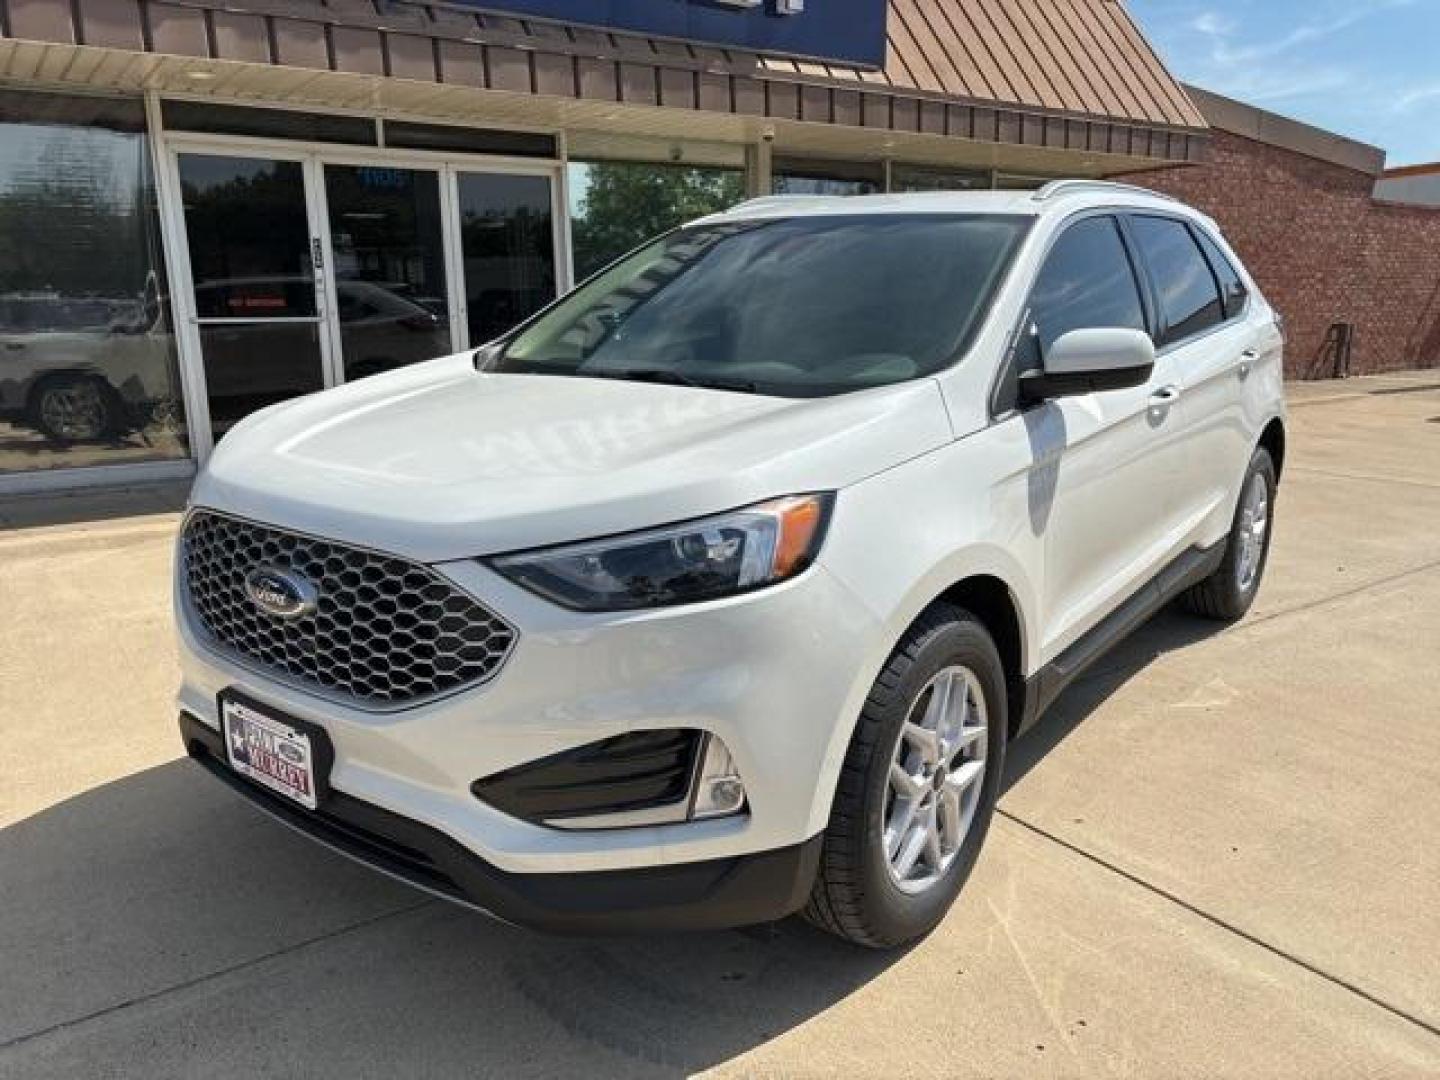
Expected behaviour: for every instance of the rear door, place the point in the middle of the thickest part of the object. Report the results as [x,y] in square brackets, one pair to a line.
[1104,463]
[1209,346]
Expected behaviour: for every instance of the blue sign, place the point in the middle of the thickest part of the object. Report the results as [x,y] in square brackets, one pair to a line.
[844,31]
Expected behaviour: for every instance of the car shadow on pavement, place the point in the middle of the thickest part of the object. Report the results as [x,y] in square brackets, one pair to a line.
[1169,630]
[161,910]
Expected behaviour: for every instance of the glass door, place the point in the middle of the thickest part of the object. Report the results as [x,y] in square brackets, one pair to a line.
[507,248]
[387,250]
[253,250]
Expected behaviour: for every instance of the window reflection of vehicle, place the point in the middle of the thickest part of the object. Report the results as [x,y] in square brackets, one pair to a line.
[254,363]
[80,368]
[384,330]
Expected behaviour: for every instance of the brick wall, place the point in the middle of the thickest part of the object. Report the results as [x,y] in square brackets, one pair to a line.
[1322,250]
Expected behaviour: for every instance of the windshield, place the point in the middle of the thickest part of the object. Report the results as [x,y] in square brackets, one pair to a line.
[798,307]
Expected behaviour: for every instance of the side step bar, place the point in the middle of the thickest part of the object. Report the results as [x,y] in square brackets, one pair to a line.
[1049,682]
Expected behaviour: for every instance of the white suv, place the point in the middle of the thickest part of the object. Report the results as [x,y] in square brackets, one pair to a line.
[716,590]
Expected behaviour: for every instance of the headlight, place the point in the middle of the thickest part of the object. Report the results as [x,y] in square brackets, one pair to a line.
[678,564]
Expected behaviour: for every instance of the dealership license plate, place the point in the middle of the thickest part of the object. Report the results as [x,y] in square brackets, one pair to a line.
[269,751]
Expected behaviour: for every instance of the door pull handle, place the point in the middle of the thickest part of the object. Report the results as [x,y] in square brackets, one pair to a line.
[1247,358]
[1165,397]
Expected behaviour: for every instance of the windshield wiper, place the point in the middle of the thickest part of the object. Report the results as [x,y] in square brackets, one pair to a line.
[675,378]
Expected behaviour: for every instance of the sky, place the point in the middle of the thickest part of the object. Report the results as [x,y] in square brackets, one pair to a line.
[1369,69]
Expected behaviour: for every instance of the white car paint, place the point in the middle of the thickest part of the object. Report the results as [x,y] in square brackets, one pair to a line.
[1072,505]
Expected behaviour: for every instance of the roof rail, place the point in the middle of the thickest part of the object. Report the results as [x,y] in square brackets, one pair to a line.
[1066,187]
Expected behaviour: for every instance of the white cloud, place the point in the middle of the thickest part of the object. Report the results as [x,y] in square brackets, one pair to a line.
[1408,98]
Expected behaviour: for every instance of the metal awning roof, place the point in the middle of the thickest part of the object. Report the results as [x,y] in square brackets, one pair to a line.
[1053,75]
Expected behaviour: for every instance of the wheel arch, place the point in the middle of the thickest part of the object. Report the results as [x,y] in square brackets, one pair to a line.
[991,600]
[1272,438]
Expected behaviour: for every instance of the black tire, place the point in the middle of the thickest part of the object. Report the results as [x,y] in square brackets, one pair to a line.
[75,408]
[1222,596]
[855,896]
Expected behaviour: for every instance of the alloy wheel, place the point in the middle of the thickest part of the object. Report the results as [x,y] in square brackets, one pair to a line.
[937,770]
[1254,523]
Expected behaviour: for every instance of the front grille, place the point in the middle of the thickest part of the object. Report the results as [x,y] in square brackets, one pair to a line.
[384,631]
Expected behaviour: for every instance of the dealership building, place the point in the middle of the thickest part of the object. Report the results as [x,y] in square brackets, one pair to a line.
[210,205]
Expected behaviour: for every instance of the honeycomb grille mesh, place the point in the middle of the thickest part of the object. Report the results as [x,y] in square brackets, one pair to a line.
[384,631]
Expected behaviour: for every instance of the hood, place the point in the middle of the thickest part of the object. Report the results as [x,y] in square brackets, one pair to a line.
[438,461]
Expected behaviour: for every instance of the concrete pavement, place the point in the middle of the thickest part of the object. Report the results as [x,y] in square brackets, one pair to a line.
[1216,856]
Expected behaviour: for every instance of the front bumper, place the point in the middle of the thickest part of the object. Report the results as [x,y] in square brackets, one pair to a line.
[737,891]
[778,675]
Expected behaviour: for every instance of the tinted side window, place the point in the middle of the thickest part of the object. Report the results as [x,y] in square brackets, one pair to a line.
[1184,284]
[1086,282]
[1232,289]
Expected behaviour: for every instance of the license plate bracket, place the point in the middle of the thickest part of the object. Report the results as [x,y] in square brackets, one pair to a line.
[285,755]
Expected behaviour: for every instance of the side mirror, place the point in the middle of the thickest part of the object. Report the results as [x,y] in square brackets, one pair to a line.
[1089,361]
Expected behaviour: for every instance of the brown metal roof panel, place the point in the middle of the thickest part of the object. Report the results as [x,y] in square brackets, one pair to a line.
[241,37]
[1097,93]
[784,100]
[990,40]
[598,79]
[936,37]
[677,88]
[462,63]
[114,24]
[1119,77]
[179,31]
[929,66]
[41,20]
[1150,87]
[410,56]
[1047,51]
[509,69]
[1181,110]
[1153,105]
[554,74]
[1029,65]
[357,51]
[959,33]
[300,43]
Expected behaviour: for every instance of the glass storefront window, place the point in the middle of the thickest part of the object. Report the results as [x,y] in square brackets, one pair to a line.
[616,206]
[88,371]
[1020,181]
[916,178]
[390,295]
[507,240]
[248,233]
[797,176]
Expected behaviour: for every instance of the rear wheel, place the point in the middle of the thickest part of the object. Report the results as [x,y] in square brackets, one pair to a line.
[74,409]
[1228,593]
[918,787]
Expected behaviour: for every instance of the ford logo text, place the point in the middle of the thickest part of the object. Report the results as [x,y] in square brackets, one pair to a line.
[280,593]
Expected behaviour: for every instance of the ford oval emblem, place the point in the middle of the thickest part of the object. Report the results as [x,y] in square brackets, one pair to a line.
[280,593]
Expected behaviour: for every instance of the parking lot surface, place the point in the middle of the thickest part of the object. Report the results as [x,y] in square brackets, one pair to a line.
[1216,856]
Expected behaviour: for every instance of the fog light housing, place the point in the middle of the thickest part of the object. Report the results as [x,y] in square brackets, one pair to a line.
[718,790]
[662,777]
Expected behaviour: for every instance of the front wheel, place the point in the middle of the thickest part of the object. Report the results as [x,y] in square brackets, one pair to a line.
[1228,593]
[918,787]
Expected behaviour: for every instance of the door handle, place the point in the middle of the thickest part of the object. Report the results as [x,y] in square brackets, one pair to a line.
[1247,358]
[1165,397]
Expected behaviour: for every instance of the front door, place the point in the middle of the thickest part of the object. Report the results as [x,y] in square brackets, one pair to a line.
[309,269]
[255,304]
[391,303]
[1107,459]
